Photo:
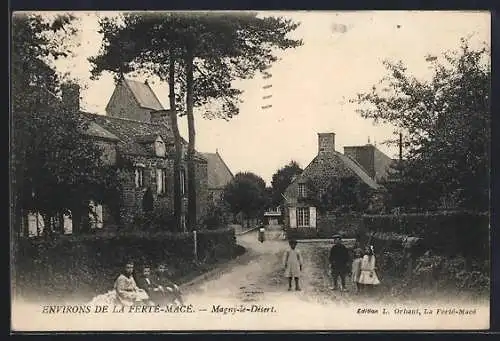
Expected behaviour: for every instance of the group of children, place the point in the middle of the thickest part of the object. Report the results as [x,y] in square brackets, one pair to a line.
[150,288]
[362,268]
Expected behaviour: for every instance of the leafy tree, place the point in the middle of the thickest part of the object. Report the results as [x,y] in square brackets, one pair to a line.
[446,121]
[54,169]
[246,193]
[213,49]
[341,195]
[282,179]
[141,44]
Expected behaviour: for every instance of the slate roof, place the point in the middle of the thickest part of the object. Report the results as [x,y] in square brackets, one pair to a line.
[144,95]
[131,135]
[219,174]
[96,130]
[335,163]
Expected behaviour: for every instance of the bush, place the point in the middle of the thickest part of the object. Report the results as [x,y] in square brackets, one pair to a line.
[90,263]
[436,274]
[454,234]
[159,218]
[215,217]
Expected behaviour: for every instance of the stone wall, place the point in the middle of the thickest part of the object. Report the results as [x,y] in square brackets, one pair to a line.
[108,151]
[123,104]
[132,196]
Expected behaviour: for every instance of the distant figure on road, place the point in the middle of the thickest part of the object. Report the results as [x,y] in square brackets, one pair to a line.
[339,262]
[262,232]
[292,261]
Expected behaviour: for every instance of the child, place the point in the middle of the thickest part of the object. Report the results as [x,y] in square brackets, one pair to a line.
[292,262]
[171,289]
[356,268]
[368,277]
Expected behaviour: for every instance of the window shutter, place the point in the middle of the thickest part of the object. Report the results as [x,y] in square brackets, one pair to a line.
[158,181]
[293,217]
[32,224]
[98,212]
[312,216]
[92,217]
[164,180]
[68,224]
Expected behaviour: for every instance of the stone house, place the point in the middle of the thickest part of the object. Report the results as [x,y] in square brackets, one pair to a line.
[136,137]
[374,162]
[301,210]
[219,175]
[273,216]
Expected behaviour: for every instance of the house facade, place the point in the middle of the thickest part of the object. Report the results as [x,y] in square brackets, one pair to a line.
[136,138]
[273,216]
[219,176]
[302,209]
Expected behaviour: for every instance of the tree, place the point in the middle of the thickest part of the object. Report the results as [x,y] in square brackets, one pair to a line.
[55,169]
[213,48]
[282,179]
[138,44]
[446,121]
[246,193]
[341,195]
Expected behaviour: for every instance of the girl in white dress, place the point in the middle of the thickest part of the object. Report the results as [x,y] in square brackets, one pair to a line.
[292,262]
[368,278]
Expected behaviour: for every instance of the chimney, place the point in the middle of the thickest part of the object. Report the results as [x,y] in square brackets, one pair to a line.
[326,142]
[160,116]
[71,96]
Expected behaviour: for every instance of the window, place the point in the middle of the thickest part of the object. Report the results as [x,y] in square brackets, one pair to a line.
[302,190]
[139,177]
[183,181]
[161,181]
[302,216]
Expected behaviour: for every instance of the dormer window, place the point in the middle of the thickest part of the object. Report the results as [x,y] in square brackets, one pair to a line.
[159,147]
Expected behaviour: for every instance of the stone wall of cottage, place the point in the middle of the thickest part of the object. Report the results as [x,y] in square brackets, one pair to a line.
[108,151]
[133,197]
[123,104]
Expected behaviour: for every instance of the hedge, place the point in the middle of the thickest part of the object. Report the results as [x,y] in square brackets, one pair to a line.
[328,224]
[450,233]
[90,263]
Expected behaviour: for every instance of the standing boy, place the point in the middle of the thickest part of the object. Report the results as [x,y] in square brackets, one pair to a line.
[339,262]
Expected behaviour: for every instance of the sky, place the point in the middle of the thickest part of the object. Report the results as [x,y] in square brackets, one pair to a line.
[341,56]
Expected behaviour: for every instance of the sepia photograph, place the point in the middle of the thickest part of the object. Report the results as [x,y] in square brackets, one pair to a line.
[250,170]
